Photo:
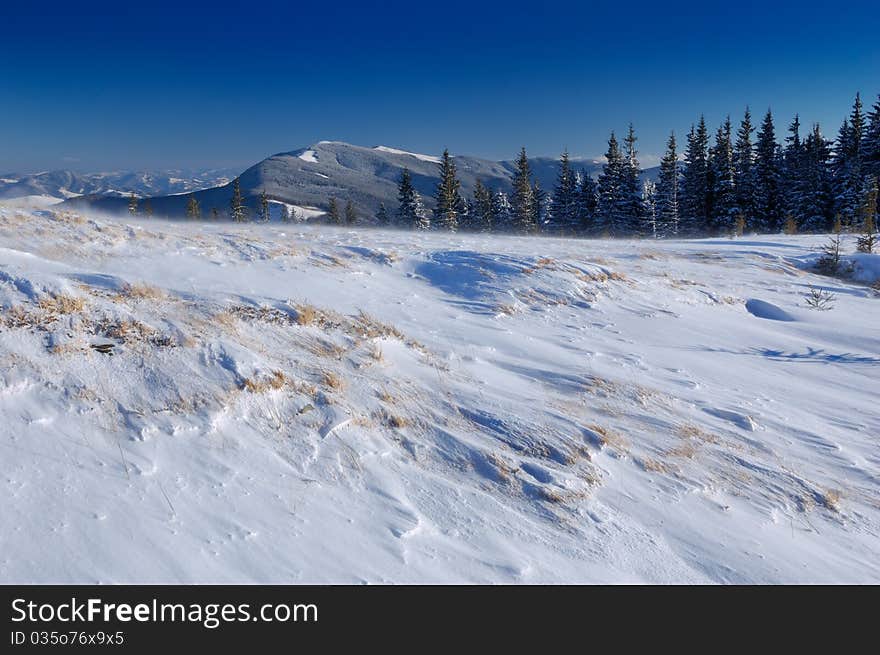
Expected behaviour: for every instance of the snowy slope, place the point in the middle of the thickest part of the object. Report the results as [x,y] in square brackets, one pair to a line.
[215,403]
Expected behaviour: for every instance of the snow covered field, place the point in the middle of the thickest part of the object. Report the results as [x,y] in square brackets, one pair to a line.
[215,403]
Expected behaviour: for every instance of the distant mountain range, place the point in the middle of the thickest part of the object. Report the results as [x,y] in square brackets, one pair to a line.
[308,178]
[69,184]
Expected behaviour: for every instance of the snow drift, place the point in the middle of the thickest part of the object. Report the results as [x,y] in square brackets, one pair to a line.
[264,403]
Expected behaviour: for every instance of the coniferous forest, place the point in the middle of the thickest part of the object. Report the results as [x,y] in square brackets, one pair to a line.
[750,177]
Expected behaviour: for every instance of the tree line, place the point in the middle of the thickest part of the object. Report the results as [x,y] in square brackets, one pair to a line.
[742,180]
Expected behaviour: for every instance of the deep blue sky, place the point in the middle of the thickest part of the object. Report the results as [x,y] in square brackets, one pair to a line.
[102,85]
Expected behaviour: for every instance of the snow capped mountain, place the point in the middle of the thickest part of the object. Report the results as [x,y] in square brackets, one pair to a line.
[395,151]
[367,176]
[68,184]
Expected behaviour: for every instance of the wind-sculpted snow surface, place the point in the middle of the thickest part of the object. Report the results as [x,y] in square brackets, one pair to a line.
[264,403]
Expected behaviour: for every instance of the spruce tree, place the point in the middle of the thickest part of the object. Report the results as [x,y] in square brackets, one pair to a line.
[843,199]
[724,208]
[484,209]
[667,191]
[849,181]
[817,209]
[422,216]
[868,241]
[563,214]
[871,146]
[448,196]
[237,208]
[132,204]
[539,206]
[410,212]
[148,207]
[768,201]
[333,215]
[264,207]
[382,215]
[631,209]
[350,213]
[501,212]
[406,192]
[695,181]
[522,200]
[587,203]
[192,208]
[609,190]
[649,205]
[743,169]
[793,175]
[466,218]
[285,213]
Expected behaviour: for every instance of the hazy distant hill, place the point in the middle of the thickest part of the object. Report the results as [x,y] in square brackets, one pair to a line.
[69,184]
[309,177]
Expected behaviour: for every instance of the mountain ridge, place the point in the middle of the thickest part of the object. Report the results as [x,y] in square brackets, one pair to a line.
[309,177]
[63,183]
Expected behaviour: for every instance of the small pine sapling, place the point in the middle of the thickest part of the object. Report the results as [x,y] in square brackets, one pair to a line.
[868,241]
[264,207]
[829,262]
[333,212]
[820,300]
[350,213]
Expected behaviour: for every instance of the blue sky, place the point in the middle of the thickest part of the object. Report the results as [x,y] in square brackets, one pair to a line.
[104,85]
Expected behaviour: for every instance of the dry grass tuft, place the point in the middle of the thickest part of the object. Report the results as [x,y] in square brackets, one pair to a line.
[371,327]
[551,495]
[226,319]
[609,438]
[375,353]
[306,314]
[602,277]
[16,317]
[831,499]
[142,291]
[61,304]
[686,450]
[67,348]
[274,381]
[285,251]
[601,386]
[543,262]
[307,389]
[504,469]
[654,465]
[332,381]
[325,348]
[505,308]
[392,420]
[691,431]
